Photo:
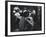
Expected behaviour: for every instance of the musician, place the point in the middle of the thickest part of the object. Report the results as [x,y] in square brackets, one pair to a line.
[26,22]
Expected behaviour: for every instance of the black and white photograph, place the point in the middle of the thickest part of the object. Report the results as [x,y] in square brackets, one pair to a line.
[25,18]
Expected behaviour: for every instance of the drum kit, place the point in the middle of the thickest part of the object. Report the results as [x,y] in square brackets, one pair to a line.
[24,15]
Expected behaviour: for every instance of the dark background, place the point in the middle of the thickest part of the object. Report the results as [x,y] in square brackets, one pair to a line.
[36,17]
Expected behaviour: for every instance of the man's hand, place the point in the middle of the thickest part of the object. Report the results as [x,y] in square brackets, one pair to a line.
[30,20]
